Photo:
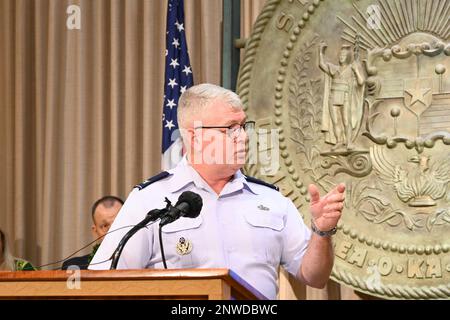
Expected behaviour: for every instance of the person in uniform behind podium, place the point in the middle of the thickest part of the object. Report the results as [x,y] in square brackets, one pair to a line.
[245,224]
[7,261]
[103,212]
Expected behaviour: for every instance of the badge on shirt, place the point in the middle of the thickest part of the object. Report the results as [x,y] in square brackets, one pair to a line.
[184,246]
[261,207]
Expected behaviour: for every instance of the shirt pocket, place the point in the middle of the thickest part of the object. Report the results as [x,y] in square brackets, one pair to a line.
[265,220]
[182,234]
[266,234]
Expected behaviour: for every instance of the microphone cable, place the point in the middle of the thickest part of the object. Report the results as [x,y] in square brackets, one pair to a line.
[163,256]
[86,246]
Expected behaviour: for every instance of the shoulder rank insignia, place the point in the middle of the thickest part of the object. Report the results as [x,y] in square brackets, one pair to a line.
[151,180]
[263,183]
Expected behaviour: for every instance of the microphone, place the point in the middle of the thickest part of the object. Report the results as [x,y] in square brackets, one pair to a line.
[151,216]
[189,205]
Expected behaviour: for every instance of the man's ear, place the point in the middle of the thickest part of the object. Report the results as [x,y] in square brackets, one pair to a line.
[94,231]
[189,137]
[197,140]
[195,134]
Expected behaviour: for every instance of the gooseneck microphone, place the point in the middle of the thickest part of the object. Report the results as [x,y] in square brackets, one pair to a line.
[189,205]
[151,216]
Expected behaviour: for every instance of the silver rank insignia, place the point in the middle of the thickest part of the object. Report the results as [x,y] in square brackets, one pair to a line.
[184,246]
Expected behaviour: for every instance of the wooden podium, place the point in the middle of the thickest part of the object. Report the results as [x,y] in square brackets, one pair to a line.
[211,284]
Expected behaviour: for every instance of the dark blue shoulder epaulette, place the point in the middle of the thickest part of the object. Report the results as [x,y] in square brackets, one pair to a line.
[151,180]
[263,183]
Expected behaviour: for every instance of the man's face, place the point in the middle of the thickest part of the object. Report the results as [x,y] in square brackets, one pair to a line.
[103,219]
[219,146]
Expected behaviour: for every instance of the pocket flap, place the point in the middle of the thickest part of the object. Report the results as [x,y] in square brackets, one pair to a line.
[265,220]
[183,224]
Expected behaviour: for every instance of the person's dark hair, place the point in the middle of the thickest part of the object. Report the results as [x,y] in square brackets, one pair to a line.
[7,259]
[3,241]
[106,201]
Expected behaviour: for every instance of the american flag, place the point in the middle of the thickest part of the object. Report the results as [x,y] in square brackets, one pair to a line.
[178,78]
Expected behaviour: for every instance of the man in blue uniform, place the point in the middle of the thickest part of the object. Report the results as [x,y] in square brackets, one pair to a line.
[245,224]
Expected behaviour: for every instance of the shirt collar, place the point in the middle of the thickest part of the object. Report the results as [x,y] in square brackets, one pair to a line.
[181,176]
[184,174]
[247,185]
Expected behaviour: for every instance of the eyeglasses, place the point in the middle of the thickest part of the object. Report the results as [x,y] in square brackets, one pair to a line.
[233,131]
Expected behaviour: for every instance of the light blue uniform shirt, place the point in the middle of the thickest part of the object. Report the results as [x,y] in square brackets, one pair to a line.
[249,228]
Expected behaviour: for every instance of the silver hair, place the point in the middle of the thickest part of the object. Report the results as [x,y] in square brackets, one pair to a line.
[196,99]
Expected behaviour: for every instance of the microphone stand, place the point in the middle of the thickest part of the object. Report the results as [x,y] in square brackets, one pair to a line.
[151,216]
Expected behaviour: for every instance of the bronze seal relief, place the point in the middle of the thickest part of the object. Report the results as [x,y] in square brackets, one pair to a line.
[359,92]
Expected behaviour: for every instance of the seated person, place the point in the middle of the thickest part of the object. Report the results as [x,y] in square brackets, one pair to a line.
[7,261]
[104,211]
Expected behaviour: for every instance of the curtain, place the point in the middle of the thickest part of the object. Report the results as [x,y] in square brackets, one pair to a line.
[81,109]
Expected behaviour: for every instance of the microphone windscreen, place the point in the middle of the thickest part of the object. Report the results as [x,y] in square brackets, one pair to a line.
[194,204]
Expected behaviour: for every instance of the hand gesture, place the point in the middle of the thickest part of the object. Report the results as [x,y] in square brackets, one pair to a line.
[326,211]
